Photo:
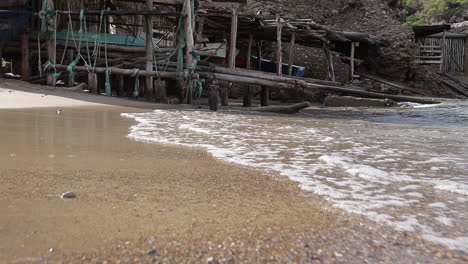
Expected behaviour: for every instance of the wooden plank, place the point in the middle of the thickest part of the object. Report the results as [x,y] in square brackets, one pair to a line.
[382,80]
[428,62]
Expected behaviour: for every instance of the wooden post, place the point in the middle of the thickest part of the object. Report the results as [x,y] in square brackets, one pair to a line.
[188,45]
[264,96]
[120,85]
[25,69]
[247,98]
[93,83]
[291,52]
[351,62]
[279,52]
[51,51]
[465,63]
[160,90]
[331,69]
[249,51]
[201,23]
[259,54]
[149,49]
[1,62]
[224,93]
[233,38]
[213,98]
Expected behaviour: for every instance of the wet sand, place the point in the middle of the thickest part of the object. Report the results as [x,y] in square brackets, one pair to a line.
[141,203]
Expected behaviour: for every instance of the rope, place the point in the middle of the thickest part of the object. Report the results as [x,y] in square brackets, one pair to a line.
[137,81]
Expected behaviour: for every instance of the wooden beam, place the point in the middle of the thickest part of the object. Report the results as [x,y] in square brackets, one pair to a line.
[233,38]
[25,68]
[291,52]
[149,49]
[279,52]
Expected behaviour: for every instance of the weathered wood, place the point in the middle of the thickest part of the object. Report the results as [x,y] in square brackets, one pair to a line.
[345,101]
[189,42]
[149,49]
[127,72]
[25,68]
[213,98]
[354,91]
[249,51]
[465,61]
[201,24]
[120,85]
[259,54]
[247,98]
[331,69]
[161,90]
[291,52]
[284,109]
[242,79]
[279,51]
[455,88]
[233,40]
[118,13]
[398,86]
[351,62]
[78,88]
[93,83]
[463,84]
[265,96]
[223,94]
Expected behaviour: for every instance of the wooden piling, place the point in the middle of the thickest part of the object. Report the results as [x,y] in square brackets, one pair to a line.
[149,49]
[1,62]
[279,52]
[213,98]
[93,83]
[291,52]
[120,85]
[265,96]
[259,54]
[224,94]
[25,68]
[247,93]
[189,42]
[51,51]
[69,59]
[247,98]
[233,38]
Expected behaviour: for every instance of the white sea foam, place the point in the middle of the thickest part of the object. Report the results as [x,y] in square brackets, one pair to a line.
[359,166]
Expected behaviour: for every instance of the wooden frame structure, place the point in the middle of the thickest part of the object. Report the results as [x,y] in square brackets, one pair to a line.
[194,23]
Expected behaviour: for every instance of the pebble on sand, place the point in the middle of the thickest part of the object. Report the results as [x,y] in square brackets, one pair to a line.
[68,195]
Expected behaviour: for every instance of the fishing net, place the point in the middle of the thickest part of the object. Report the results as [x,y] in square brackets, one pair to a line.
[11,24]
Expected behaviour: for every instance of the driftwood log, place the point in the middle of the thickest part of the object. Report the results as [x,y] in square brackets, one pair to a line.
[283,109]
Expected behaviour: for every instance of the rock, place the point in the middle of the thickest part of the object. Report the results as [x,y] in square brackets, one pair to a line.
[212,260]
[152,252]
[68,195]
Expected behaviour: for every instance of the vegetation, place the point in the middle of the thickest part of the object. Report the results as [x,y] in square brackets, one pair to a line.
[420,12]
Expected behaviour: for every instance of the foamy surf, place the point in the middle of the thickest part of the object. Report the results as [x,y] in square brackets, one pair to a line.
[407,175]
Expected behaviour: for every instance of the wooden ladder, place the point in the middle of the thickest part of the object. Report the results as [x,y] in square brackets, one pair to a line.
[429,55]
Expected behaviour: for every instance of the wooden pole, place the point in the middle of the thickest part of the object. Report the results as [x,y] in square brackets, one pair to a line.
[213,98]
[331,69]
[247,98]
[201,23]
[351,62]
[264,96]
[51,51]
[70,79]
[291,52]
[465,63]
[279,52]
[259,54]
[25,68]
[149,50]
[223,93]
[188,47]
[120,85]
[1,62]
[93,83]
[233,38]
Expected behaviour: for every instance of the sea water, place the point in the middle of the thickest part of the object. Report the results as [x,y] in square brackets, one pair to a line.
[406,167]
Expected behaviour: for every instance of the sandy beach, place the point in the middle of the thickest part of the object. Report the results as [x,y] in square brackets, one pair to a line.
[150,203]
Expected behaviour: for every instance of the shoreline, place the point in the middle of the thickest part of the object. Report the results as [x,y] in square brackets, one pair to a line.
[173,204]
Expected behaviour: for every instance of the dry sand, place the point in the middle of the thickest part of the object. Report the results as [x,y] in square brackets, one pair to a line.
[145,203]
